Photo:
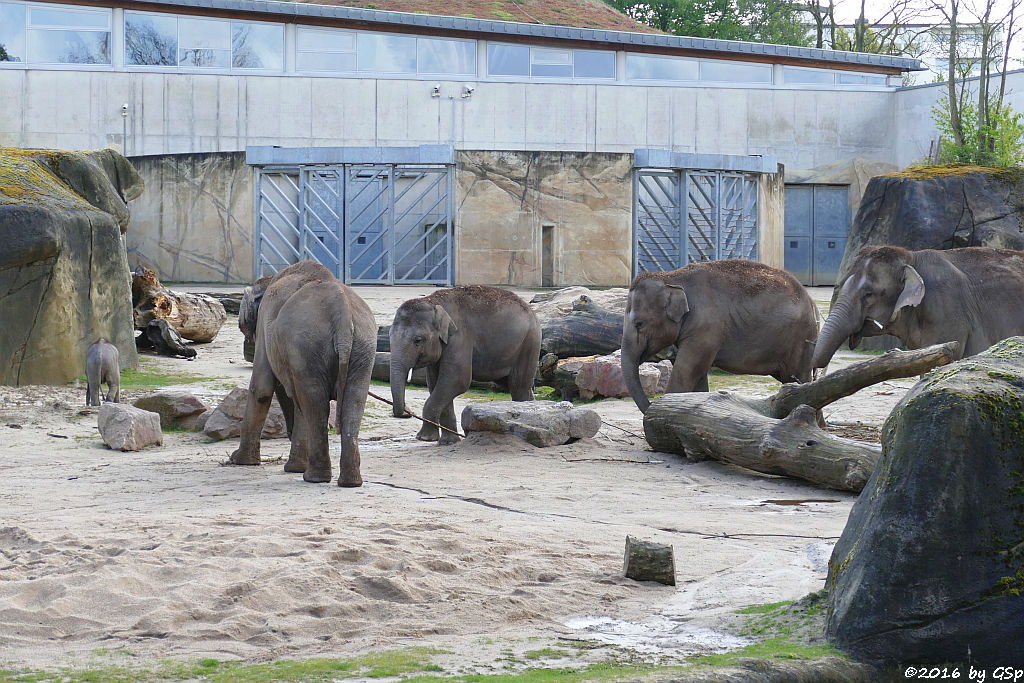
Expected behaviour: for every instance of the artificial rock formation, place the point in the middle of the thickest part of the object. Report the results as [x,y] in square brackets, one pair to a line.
[127,428]
[176,407]
[540,423]
[225,422]
[63,267]
[930,566]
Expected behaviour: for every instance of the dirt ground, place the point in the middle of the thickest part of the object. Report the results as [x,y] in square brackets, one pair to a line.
[487,549]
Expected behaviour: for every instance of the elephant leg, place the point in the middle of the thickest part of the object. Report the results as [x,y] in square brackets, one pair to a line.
[690,371]
[261,391]
[429,432]
[287,407]
[524,374]
[447,420]
[311,439]
[298,453]
[452,380]
[702,384]
[351,404]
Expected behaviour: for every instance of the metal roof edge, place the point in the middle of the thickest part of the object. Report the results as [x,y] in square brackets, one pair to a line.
[625,39]
[665,158]
[272,155]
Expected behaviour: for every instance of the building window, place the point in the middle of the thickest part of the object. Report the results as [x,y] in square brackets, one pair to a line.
[648,68]
[791,74]
[257,46]
[12,32]
[204,43]
[384,53]
[63,35]
[326,50]
[150,39]
[735,72]
[546,62]
[860,79]
[437,56]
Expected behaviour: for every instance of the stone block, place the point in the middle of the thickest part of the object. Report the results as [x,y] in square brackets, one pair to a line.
[127,428]
[602,376]
[225,422]
[540,423]
[176,407]
[649,561]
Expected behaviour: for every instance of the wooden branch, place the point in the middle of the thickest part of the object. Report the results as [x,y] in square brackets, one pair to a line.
[586,330]
[852,379]
[722,426]
[196,317]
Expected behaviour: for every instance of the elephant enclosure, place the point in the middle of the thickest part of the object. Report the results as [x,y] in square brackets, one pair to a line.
[488,546]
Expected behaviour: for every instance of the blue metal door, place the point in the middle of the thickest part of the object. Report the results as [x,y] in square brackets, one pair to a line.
[817,224]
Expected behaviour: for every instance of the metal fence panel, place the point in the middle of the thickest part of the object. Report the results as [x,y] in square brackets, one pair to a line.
[657,243]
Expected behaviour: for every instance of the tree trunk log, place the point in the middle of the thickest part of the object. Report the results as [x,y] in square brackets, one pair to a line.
[750,433]
[196,317]
[587,330]
[161,337]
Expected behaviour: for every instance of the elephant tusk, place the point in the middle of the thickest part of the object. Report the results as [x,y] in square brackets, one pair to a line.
[880,326]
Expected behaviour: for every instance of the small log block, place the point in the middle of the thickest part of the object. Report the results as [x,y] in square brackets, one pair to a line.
[161,337]
[196,317]
[649,561]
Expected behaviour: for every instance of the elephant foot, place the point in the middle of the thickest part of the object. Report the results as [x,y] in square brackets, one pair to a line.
[295,465]
[317,476]
[350,482]
[427,433]
[448,439]
[238,458]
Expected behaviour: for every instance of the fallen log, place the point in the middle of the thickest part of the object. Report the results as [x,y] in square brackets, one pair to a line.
[586,330]
[195,317]
[160,336]
[728,428]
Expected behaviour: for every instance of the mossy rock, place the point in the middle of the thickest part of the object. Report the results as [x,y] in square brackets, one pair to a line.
[64,278]
[929,567]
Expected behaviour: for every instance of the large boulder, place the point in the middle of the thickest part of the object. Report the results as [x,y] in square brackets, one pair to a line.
[127,428]
[225,422]
[930,566]
[541,423]
[176,407]
[63,266]
[602,376]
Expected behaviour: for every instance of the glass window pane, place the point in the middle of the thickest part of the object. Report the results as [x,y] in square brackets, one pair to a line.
[12,33]
[445,56]
[552,70]
[257,46]
[150,39]
[69,47]
[791,75]
[508,60]
[326,61]
[589,64]
[735,72]
[861,79]
[75,18]
[386,54]
[644,68]
[204,33]
[312,39]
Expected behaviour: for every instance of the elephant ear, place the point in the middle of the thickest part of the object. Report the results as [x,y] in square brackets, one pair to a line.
[913,291]
[444,322]
[676,305]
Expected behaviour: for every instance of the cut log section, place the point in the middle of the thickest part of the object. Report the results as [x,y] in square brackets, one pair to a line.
[195,317]
[649,561]
[725,427]
[587,330]
[161,337]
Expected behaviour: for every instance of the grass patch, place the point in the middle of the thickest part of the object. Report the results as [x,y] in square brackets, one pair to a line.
[547,653]
[773,648]
[149,378]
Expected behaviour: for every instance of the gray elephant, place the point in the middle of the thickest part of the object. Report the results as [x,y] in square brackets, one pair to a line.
[973,295]
[315,341]
[102,365]
[740,316]
[459,335]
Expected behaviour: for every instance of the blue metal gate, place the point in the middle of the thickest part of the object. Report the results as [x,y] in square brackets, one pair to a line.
[817,226]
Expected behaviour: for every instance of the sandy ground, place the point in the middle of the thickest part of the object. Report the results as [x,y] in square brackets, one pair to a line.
[481,548]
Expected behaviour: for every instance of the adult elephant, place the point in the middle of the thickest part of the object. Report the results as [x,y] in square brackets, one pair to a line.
[973,295]
[459,335]
[740,316]
[315,341]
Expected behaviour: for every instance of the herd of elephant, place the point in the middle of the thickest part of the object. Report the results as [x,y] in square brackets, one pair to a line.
[316,338]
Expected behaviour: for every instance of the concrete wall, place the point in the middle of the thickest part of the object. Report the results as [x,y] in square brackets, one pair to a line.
[189,113]
[194,222]
[504,200]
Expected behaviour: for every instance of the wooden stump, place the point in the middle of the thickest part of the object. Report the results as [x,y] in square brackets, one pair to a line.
[648,561]
[195,317]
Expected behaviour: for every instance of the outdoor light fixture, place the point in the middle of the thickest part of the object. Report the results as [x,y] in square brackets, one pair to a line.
[124,128]
[467,91]
[436,92]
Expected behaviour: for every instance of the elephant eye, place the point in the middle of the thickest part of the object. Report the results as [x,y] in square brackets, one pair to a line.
[417,341]
[638,324]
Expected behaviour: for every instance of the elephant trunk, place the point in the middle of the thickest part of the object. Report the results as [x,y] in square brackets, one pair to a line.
[630,364]
[399,375]
[840,325]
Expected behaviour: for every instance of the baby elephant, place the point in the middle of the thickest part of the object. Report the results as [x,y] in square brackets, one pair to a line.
[102,365]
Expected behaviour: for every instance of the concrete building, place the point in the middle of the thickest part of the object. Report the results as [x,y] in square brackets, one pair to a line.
[401,147]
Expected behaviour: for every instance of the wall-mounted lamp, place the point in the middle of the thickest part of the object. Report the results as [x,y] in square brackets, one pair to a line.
[467,91]
[436,91]
[124,129]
